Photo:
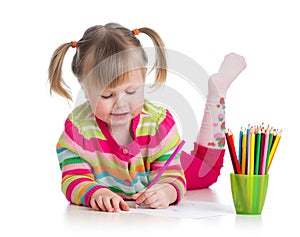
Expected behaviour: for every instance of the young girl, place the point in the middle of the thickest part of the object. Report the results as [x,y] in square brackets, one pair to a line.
[115,143]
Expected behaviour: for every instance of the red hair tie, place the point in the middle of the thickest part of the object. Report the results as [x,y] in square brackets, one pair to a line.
[136,31]
[73,44]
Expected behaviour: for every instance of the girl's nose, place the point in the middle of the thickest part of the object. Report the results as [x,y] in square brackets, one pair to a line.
[120,102]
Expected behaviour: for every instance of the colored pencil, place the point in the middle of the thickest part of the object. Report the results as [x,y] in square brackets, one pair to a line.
[262,150]
[273,149]
[264,157]
[240,145]
[248,149]
[257,149]
[232,152]
[252,149]
[162,170]
[271,135]
[244,149]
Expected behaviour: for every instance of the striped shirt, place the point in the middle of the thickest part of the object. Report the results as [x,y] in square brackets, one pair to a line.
[90,158]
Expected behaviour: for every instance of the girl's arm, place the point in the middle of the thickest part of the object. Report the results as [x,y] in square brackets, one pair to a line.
[169,189]
[173,175]
[163,143]
[78,184]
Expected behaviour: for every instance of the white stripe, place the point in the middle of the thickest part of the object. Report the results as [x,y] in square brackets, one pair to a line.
[148,124]
[170,151]
[81,111]
[150,106]
[90,127]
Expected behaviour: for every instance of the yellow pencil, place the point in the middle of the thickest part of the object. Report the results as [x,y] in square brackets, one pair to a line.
[273,148]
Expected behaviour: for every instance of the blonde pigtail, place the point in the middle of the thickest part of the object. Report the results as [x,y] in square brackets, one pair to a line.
[57,84]
[161,60]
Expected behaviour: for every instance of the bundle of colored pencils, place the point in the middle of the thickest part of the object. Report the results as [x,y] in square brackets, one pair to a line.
[257,146]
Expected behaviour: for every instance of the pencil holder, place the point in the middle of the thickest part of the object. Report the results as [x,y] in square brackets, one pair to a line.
[249,193]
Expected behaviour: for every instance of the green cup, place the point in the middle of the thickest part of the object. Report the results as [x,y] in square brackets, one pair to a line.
[249,193]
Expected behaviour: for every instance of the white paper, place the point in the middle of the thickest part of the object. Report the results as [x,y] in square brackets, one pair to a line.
[185,209]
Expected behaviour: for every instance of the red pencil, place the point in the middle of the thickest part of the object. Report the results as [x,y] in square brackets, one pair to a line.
[232,151]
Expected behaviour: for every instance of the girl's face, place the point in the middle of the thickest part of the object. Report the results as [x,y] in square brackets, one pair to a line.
[117,106]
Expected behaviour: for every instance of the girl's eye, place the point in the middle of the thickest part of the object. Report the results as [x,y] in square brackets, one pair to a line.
[130,92]
[106,96]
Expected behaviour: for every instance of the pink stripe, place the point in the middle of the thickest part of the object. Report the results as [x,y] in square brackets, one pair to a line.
[155,147]
[89,194]
[76,172]
[165,132]
[156,167]
[176,161]
[96,144]
[73,192]
[181,180]
[179,194]
[75,166]
[164,128]
[92,145]
[72,185]
[92,156]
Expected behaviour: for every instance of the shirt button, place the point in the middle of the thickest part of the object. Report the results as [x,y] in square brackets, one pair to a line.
[125,151]
[127,182]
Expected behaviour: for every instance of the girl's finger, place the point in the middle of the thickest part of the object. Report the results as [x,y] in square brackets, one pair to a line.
[107,204]
[116,203]
[99,202]
[124,206]
[151,200]
[94,205]
[144,197]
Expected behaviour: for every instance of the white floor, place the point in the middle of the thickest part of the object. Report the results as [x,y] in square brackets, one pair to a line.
[53,216]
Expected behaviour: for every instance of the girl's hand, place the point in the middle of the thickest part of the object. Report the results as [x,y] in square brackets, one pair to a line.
[105,200]
[158,196]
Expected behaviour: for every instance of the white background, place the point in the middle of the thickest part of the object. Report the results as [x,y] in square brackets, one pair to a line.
[266,33]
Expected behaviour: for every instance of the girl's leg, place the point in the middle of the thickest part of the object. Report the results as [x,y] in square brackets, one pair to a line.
[202,166]
[211,132]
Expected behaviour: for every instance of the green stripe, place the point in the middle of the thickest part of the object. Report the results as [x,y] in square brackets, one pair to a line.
[73,160]
[171,144]
[118,190]
[164,157]
[93,133]
[155,118]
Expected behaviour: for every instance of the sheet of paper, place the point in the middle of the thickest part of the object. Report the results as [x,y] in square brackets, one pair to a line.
[186,209]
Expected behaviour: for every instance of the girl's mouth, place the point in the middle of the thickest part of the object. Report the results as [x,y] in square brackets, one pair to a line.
[120,115]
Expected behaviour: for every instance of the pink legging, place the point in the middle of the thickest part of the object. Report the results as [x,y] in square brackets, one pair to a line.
[202,166]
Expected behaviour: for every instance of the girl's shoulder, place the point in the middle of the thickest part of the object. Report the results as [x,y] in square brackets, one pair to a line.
[81,113]
[155,113]
[84,120]
[153,110]
[157,123]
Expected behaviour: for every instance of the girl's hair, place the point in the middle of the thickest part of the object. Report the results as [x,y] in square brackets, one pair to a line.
[106,53]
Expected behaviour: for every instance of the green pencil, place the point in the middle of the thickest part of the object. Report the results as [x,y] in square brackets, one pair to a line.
[257,150]
[269,148]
